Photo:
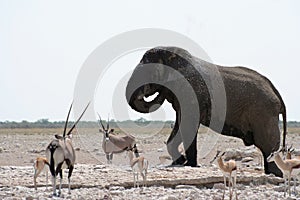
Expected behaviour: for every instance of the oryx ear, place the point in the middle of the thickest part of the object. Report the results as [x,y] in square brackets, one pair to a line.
[112,130]
[292,150]
[101,130]
[58,137]
[70,136]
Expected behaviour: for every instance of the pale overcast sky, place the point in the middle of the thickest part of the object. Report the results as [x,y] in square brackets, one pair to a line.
[43,45]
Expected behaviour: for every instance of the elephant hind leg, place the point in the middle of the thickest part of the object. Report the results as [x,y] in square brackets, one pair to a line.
[267,138]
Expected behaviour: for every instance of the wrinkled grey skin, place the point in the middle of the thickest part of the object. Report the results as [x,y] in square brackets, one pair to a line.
[252,104]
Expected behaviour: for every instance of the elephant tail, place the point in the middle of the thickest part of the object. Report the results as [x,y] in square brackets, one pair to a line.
[283,112]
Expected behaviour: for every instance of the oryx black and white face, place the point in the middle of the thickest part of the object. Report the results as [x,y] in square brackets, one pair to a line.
[53,145]
[106,131]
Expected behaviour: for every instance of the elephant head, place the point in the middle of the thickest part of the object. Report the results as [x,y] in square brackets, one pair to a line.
[147,80]
[153,75]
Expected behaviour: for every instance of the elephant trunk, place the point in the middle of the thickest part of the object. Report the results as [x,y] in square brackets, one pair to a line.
[137,89]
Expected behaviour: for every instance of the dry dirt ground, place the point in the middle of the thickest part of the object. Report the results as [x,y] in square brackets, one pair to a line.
[94,179]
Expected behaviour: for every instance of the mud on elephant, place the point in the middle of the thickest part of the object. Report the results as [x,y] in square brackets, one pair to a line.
[234,101]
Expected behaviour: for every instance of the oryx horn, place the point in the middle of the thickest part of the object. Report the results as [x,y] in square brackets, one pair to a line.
[70,131]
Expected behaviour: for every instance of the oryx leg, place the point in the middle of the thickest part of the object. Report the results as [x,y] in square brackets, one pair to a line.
[53,177]
[54,185]
[60,181]
[111,157]
[69,177]
[107,158]
[59,170]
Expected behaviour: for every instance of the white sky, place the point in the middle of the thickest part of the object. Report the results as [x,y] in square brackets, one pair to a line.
[44,43]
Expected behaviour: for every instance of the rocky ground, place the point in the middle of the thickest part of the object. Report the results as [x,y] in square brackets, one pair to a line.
[93,179]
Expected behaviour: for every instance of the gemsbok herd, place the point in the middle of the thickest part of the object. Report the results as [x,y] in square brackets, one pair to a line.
[60,154]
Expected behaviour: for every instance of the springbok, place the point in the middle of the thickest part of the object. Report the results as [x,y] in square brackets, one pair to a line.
[289,152]
[289,168]
[112,144]
[229,170]
[138,165]
[38,166]
[60,154]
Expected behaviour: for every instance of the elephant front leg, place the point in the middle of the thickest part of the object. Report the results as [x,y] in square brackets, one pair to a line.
[188,130]
[172,145]
[191,153]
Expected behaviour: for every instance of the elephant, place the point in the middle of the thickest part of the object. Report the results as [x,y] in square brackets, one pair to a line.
[250,109]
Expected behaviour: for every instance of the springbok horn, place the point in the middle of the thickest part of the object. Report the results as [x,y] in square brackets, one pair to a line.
[218,152]
[101,122]
[70,131]
[275,147]
[66,123]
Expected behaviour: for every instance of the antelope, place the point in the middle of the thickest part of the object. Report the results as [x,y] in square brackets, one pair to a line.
[289,168]
[138,165]
[112,144]
[229,170]
[38,167]
[61,154]
[289,151]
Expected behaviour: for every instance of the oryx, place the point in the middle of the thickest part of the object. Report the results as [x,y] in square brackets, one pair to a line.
[60,153]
